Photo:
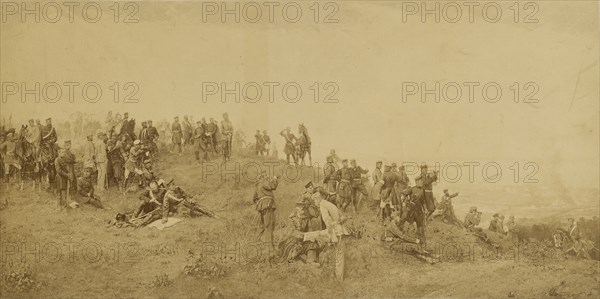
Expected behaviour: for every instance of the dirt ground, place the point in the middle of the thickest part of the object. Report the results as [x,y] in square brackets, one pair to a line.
[52,254]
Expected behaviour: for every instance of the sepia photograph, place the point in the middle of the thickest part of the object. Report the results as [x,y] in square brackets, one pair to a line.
[300,149]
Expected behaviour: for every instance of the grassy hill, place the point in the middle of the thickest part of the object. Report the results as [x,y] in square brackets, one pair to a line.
[46,253]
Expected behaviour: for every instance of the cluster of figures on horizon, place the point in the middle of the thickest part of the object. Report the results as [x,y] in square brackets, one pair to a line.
[206,139]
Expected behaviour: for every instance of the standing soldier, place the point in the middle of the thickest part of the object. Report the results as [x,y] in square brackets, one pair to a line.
[227,131]
[344,176]
[388,193]
[10,159]
[116,155]
[260,143]
[377,183]
[133,163]
[267,140]
[403,180]
[199,142]
[330,179]
[187,131]
[177,135]
[69,158]
[335,157]
[152,138]
[62,178]
[425,181]
[265,205]
[101,161]
[89,154]
[215,135]
[144,131]
[289,148]
[48,150]
[357,184]
[125,125]
[211,130]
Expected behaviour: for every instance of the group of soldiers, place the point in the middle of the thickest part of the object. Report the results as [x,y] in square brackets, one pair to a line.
[263,143]
[205,137]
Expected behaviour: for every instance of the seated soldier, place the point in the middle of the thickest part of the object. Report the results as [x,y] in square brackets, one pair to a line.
[495,224]
[150,202]
[85,186]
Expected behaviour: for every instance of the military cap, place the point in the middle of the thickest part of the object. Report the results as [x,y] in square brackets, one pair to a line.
[423,165]
[495,215]
[344,160]
[329,159]
[49,118]
[394,164]
[67,142]
[445,190]
[473,209]
[379,162]
[126,114]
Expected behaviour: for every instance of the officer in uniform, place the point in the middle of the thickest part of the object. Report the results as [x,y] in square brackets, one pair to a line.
[344,191]
[199,142]
[177,135]
[377,183]
[357,183]
[187,131]
[330,180]
[388,193]
[425,181]
[227,131]
[151,138]
[69,158]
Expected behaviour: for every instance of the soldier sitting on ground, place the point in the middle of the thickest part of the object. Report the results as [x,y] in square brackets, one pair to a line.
[85,186]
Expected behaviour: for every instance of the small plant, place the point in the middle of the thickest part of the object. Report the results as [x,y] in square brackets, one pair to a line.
[161,280]
[21,281]
[202,267]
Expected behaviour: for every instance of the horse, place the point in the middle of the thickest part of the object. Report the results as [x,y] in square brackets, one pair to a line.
[303,144]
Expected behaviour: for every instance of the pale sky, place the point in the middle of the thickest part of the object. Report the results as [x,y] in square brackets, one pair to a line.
[368,55]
